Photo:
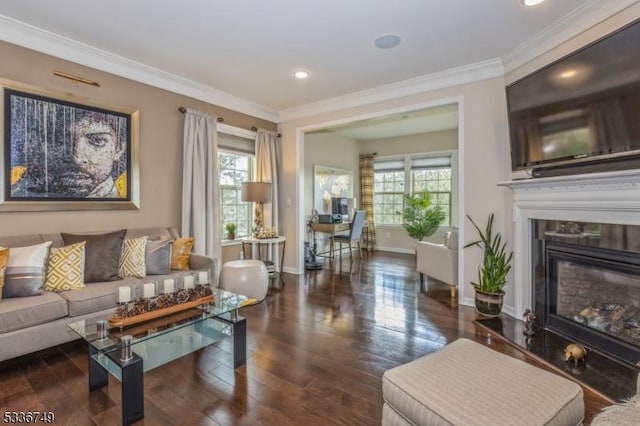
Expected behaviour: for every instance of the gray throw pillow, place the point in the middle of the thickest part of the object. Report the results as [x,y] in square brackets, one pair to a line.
[158,257]
[102,254]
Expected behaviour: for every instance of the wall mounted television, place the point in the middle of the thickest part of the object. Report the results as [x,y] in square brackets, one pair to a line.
[584,107]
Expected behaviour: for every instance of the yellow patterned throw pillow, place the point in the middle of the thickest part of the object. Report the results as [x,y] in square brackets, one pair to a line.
[4,260]
[66,268]
[132,262]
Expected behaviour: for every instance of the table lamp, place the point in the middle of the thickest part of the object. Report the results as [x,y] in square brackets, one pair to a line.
[259,193]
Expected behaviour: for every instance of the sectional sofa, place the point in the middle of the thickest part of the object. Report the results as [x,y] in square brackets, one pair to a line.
[29,324]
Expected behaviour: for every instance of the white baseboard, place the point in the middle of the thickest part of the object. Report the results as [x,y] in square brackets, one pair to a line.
[395,250]
[293,271]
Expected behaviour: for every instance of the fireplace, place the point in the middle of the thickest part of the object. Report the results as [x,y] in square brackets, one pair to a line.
[587,284]
[587,220]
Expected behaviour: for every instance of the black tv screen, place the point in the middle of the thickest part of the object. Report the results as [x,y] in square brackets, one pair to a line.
[585,106]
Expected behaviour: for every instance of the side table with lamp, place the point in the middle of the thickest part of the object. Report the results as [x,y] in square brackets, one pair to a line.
[260,193]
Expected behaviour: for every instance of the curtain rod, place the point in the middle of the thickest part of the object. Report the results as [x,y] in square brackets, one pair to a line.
[220,119]
[183,110]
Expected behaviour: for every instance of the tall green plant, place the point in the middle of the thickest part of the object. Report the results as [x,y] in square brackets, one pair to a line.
[420,217]
[496,262]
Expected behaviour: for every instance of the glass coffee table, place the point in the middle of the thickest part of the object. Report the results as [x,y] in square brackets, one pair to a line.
[126,354]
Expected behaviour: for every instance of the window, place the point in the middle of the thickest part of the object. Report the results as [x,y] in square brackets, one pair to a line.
[388,191]
[393,178]
[235,165]
[434,175]
[234,169]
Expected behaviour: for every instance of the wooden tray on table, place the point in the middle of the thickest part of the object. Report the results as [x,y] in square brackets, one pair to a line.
[117,322]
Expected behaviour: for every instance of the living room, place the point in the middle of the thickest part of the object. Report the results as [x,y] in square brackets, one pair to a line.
[482,144]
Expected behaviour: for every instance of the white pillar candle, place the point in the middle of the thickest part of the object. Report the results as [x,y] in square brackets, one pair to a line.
[169,285]
[203,277]
[188,282]
[124,294]
[149,290]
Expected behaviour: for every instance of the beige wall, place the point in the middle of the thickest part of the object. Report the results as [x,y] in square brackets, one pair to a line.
[326,148]
[160,142]
[483,157]
[394,237]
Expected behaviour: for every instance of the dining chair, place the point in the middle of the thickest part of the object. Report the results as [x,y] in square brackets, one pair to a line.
[354,235]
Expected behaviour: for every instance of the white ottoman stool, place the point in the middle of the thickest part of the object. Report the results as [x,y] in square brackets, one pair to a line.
[469,384]
[248,277]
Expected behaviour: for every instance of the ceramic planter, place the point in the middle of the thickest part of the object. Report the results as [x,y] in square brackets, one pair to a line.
[489,304]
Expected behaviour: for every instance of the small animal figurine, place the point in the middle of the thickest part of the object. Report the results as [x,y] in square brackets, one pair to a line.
[529,322]
[575,352]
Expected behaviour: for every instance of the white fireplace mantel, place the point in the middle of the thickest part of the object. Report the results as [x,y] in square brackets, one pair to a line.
[607,197]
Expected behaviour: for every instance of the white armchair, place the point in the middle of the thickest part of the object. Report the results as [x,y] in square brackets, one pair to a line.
[439,261]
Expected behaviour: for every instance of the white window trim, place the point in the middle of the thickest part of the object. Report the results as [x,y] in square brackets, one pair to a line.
[236,131]
[242,133]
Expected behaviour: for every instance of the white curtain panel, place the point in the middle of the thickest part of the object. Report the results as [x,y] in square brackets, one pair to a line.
[200,195]
[267,171]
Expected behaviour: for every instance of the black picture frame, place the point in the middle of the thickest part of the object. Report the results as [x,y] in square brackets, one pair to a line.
[61,154]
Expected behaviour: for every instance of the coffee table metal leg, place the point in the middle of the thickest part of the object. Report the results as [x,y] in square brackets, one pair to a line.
[239,337]
[98,376]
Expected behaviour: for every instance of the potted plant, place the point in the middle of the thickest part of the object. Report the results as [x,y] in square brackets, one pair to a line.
[231,230]
[492,273]
[420,217]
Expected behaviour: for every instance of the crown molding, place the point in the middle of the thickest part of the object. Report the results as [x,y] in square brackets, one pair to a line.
[21,34]
[452,77]
[587,15]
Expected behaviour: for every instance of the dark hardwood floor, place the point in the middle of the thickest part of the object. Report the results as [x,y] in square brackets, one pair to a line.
[317,352]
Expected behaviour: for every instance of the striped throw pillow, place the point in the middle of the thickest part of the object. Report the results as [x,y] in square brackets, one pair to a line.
[66,268]
[132,263]
[25,271]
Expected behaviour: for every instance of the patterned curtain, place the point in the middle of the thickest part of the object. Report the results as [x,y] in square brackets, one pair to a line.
[366,203]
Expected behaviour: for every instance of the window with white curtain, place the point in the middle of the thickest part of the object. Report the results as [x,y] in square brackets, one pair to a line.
[395,177]
[236,165]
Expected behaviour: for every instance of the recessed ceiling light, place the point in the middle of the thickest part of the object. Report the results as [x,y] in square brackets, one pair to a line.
[387,41]
[568,73]
[531,2]
[301,74]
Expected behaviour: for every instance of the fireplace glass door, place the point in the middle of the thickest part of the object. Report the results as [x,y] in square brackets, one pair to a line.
[593,295]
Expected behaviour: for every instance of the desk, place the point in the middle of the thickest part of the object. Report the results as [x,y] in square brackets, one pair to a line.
[275,256]
[329,228]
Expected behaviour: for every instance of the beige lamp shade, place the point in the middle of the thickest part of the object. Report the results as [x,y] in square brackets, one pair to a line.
[259,192]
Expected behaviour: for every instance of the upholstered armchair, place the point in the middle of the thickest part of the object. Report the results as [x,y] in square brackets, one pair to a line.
[439,261]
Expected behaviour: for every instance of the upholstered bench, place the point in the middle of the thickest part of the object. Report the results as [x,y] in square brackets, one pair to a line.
[467,384]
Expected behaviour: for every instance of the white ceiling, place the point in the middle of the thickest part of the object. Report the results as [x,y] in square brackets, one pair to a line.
[249,48]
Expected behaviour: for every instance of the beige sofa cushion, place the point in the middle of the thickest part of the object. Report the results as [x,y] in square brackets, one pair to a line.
[22,312]
[95,296]
[469,384]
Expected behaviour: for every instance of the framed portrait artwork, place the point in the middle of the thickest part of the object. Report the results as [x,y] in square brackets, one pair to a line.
[62,154]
